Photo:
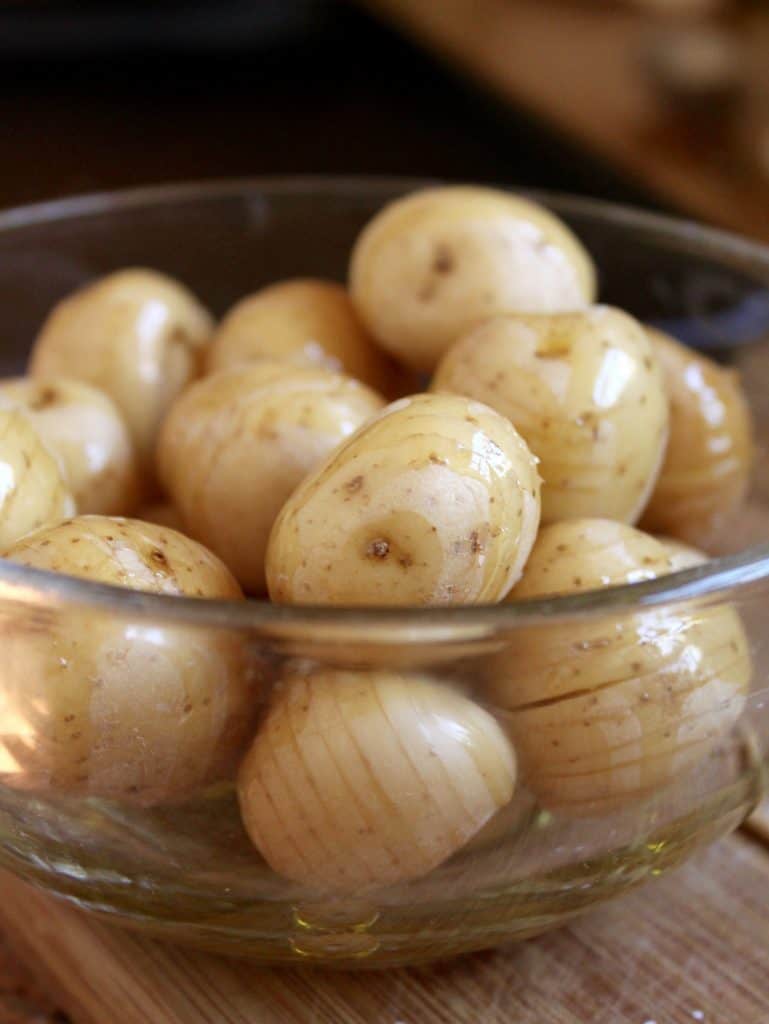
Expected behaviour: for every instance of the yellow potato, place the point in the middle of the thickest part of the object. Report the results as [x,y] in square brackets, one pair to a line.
[681,556]
[236,444]
[83,426]
[136,334]
[33,491]
[432,265]
[585,392]
[305,321]
[434,502]
[121,707]
[360,779]
[705,475]
[609,710]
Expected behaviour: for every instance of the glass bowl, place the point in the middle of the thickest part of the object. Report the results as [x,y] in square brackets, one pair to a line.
[186,869]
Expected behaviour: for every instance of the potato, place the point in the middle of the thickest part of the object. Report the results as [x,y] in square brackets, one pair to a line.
[304,321]
[236,444]
[33,492]
[706,472]
[360,779]
[116,706]
[136,334]
[434,502]
[609,710]
[585,392]
[83,426]
[681,556]
[434,264]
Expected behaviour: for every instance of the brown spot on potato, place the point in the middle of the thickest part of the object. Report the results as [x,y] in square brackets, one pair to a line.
[379,548]
[443,260]
[45,397]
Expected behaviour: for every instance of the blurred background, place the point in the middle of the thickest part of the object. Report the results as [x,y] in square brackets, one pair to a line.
[659,102]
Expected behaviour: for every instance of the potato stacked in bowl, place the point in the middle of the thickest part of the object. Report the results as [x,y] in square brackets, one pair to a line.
[528,431]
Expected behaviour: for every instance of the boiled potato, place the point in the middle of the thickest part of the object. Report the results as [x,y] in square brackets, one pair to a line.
[83,426]
[359,779]
[236,444]
[585,392]
[121,706]
[307,322]
[136,334]
[434,264]
[608,710]
[682,556]
[33,491]
[434,502]
[705,475]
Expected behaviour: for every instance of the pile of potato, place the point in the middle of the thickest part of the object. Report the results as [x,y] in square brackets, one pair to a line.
[261,455]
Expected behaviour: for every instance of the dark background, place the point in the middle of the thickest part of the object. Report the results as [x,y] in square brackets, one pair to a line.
[103,95]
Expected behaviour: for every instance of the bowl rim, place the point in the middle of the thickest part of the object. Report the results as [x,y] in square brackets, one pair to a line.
[719,576]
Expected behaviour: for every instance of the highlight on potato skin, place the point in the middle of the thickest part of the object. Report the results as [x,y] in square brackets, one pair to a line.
[364,779]
[609,712]
[111,705]
[706,473]
[586,393]
[433,502]
[83,426]
[137,334]
[236,444]
[34,490]
[435,263]
[307,322]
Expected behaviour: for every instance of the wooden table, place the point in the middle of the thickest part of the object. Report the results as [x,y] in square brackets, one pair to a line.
[692,947]
[579,66]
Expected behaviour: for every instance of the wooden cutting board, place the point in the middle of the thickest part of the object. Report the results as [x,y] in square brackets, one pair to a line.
[692,947]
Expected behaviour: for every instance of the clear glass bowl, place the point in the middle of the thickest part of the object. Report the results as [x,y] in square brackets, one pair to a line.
[186,870]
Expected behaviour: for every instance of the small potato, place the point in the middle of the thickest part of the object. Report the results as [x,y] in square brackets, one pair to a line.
[125,708]
[236,444]
[609,711]
[33,491]
[705,475]
[681,556]
[434,264]
[434,502]
[585,392]
[136,334]
[306,322]
[83,426]
[362,779]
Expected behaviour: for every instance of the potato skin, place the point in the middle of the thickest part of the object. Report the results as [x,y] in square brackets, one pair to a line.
[307,322]
[136,334]
[109,706]
[705,476]
[236,444]
[33,491]
[432,265]
[585,392]
[607,712]
[83,426]
[360,779]
[434,502]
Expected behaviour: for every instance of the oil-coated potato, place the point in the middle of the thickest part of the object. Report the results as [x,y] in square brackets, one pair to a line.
[434,502]
[609,711]
[704,478]
[434,264]
[83,426]
[236,444]
[585,392]
[359,779]
[136,334]
[307,322]
[33,491]
[121,706]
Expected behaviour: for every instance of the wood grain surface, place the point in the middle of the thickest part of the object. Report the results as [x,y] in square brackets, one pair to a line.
[692,947]
[581,67]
